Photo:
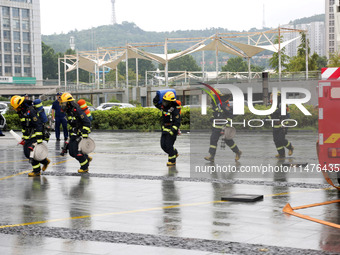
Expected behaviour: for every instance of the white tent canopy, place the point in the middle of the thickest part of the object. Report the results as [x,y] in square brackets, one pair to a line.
[216,44]
[110,57]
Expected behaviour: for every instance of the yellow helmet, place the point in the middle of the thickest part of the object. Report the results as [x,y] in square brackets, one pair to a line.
[16,101]
[66,97]
[218,92]
[169,96]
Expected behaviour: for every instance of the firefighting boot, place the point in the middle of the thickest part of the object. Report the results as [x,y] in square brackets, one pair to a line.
[46,164]
[279,156]
[238,155]
[81,171]
[89,159]
[210,158]
[171,163]
[291,150]
[33,174]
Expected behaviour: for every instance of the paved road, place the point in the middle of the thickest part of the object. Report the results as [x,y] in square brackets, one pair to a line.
[132,203]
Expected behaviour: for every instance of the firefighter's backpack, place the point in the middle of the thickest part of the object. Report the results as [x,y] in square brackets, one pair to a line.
[83,105]
[161,93]
[40,110]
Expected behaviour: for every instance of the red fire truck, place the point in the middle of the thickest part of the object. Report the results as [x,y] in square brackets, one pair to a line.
[329,123]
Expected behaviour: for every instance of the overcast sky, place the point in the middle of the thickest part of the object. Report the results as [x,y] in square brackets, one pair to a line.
[157,15]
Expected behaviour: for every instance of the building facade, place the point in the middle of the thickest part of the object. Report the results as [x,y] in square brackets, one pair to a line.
[21,54]
[315,35]
[331,42]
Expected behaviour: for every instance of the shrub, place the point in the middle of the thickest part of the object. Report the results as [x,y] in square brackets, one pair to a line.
[149,119]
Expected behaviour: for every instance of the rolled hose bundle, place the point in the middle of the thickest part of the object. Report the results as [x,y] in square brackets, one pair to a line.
[229,133]
[40,151]
[86,145]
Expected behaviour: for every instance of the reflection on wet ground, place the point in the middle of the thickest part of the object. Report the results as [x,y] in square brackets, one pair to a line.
[131,203]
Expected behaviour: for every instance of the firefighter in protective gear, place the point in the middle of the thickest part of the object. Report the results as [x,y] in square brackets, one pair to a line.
[171,121]
[79,128]
[279,131]
[32,130]
[222,111]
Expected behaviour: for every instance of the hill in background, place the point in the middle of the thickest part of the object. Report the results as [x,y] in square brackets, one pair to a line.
[120,34]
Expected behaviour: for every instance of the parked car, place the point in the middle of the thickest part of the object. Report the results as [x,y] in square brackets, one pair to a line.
[108,106]
[48,112]
[4,108]
[92,108]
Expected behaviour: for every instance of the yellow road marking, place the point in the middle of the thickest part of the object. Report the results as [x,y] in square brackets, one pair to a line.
[21,160]
[4,162]
[7,177]
[137,211]
[24,172]
[112,213]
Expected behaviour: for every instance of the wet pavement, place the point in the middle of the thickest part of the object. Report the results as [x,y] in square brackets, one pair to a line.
[131,203]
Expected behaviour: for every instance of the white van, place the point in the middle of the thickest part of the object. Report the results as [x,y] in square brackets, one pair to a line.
[108,106]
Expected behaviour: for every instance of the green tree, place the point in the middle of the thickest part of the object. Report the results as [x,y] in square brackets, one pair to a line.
[50,62]
[298,62]
[237,64]
[334,59]
[321,62]
[274,60]
[143,65]
[111,76]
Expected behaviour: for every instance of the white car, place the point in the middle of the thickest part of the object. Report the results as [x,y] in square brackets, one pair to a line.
[108,106]
[48,112]
[3,108]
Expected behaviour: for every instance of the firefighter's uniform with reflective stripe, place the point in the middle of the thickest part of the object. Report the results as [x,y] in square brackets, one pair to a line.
[171,121]
[221,112]
[79,126]
[32,132]
[279,133]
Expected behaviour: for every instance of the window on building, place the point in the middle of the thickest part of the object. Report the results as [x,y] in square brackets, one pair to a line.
[27,60]
[7,35]
[17,47]
[16,24]
[6,23]
[8,70]
[27,71]
[16,36]
[26,48]
[25,14]
[331,2]
[25,25]
[8,58]
[331,9]
[331,30]
[7,47]
[26,37]
[17,59]
[15,12]
[331,22]
[5,11]
[17,71]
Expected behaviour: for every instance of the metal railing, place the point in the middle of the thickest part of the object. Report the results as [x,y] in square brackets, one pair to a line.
[190,78]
